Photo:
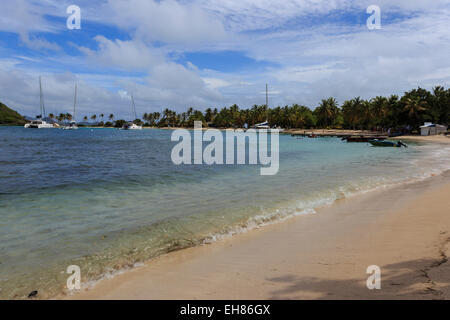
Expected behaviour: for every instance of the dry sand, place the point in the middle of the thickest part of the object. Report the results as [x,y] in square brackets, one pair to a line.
[405,230]
[437,138]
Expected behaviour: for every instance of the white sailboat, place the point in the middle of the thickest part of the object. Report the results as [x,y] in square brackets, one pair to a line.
[131,125]
[40,123]
[265,125]
[73,124]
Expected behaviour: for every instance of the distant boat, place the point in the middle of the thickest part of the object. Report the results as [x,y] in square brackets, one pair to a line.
[265,125]
[39,123]
[262,125]
[386,143]
[73,124]
[362,138]
[131,125]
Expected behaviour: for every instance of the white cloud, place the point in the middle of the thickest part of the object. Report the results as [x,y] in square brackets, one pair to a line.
[245,15]
[23,17]
[216,83]
[124,54]
[168,21]
[308,63]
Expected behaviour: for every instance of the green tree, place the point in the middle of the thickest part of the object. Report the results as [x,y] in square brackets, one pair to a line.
[327,112]
[414,107]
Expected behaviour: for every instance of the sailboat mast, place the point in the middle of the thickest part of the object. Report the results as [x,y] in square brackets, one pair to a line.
[267,102]
[133,106]
[41,99]
[74,102]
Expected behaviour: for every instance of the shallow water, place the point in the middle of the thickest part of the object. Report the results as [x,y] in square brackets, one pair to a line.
[105,199]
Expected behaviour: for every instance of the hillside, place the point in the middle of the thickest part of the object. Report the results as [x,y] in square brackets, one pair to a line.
[10,117]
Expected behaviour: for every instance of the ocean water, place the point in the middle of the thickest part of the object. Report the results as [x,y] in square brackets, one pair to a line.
[107,199]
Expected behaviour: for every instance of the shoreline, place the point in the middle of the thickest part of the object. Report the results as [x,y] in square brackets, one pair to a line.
[302,250]
[320,132]
[436,138]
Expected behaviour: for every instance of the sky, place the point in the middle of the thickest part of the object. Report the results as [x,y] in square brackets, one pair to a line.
[215,53]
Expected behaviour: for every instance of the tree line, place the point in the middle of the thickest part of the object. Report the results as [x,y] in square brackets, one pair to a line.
[410,110]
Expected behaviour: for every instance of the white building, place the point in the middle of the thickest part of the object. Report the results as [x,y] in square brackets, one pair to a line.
[430,129]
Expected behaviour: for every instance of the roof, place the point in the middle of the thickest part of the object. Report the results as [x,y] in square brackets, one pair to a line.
[431,125]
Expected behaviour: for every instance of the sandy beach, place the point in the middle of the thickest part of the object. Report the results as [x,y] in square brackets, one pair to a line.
[405,230]
[432,139]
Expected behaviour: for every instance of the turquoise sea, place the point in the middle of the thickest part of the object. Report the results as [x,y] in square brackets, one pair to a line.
[107,199]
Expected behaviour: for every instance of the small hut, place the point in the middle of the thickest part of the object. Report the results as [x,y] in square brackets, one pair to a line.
[431,129]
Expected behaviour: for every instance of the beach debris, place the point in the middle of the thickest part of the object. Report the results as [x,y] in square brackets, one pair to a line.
[33,294]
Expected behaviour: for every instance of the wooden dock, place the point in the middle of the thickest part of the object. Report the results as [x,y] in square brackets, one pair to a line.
[351,135]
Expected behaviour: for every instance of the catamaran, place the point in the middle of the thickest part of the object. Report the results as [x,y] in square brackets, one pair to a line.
[262,125]
[40,123]
[131,125]
[265,125]
[73,124]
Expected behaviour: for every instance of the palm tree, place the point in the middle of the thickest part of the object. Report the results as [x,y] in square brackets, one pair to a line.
[208,115]
[189,112]
[101,116]
[111,117]
[377,110]
[166,116]
[85,118]
[94,117]
[440,112]
[414,106]
[327,111]
[353,112]
[155,118]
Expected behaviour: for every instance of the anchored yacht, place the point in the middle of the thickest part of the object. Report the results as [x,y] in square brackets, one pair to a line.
[73,124]
[131,125]
[40,123]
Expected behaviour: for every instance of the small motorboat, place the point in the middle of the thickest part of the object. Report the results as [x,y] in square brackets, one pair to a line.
[386,143]
[361,138]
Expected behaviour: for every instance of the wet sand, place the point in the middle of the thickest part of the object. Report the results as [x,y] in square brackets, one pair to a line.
[405,230]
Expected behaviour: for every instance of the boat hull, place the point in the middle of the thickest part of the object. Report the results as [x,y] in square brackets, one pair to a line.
[362,139]
[40,126]
[391,144]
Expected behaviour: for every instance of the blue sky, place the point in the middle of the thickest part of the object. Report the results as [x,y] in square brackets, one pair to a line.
[214,53]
